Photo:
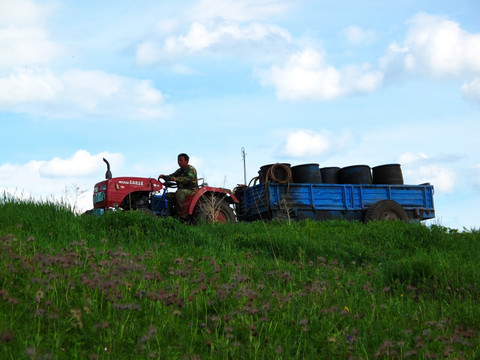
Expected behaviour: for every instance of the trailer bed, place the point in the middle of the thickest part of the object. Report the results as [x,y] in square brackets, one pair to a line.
[330,201]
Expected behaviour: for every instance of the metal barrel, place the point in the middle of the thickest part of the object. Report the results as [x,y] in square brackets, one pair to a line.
[356,174]
[390,174]
[307,173]
[330,175]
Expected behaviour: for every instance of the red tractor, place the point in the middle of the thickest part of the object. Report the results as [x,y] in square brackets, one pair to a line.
[209,204]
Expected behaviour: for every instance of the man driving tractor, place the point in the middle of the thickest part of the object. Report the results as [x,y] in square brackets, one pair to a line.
[186,179]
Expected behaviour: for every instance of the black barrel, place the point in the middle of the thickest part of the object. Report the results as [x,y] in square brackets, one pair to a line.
[280,173]
[330,175]
[390,174]
[307,174]
[356,174]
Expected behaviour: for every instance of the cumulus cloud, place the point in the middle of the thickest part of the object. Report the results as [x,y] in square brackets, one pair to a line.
[82,163]
[434,45]
[78,92]
[23,39]
[26,46]
[238,10]
[22,12]
[29,85]
[471,91]
[419,168]
[306,75]
[476,176]
[53,179]
[201,38]
[306,142]
[358,36]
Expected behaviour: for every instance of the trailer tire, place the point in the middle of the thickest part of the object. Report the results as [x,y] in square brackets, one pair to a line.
[209,211]
[386,210]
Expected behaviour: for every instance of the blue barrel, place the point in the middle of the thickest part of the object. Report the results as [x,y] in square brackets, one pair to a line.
[330,175]
[306,174]
[356,174]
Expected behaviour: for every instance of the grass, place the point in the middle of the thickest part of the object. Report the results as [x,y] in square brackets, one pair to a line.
[126,285]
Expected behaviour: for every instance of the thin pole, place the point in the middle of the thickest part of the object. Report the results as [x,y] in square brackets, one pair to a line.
[244,156]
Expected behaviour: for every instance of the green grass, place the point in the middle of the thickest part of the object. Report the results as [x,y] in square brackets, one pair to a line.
[126,285]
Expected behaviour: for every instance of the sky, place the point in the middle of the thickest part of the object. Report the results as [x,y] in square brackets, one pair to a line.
[333,82]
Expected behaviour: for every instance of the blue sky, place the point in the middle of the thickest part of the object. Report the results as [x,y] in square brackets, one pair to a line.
[337,83]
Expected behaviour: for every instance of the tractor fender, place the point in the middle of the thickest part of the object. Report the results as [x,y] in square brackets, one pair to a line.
[194,197]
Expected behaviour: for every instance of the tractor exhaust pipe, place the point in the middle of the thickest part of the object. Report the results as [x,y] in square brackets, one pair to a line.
[108,174]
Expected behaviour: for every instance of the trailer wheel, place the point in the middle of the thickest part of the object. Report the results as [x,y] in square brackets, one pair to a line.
[386,210]
[212,210]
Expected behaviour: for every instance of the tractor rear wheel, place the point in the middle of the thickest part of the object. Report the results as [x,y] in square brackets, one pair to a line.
[386,210]
[212,210]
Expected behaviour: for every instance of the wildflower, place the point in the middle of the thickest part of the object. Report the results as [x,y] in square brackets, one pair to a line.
[77,316]
[39,295]
[6,337]
[346,308]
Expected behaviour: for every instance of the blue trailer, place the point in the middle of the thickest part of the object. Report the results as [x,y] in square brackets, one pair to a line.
[361,202]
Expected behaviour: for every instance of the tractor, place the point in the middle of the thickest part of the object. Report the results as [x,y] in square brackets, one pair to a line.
[205,204]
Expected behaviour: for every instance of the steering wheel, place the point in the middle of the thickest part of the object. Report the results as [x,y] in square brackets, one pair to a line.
[167,184]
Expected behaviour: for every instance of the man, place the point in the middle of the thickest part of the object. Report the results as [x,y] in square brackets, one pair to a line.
[186,179]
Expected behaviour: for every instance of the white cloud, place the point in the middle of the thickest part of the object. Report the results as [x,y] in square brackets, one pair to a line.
[441,177]
[22,12]
[419,168]
[408,158]
[23,39]
[306,75]
[471,91]
[301,143]
[56,179]
[476,176]
[238,10]
[215,37]
[358,36]
[26,46]
[29,85]
[437,46]
[82,163]
[77,92]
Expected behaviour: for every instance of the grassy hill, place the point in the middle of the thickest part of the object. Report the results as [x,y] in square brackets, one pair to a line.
[126,285]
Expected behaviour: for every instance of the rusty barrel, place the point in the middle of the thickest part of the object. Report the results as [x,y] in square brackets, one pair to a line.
[389,174]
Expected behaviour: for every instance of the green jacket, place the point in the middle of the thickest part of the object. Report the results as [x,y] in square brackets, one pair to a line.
[186,177]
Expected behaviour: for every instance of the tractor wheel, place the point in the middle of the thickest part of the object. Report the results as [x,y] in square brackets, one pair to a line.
[386,210]
[213,210]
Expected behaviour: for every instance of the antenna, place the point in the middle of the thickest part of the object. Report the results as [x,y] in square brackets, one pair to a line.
[244,156]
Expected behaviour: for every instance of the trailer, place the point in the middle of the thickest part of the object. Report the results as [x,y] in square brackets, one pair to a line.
[361,202]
